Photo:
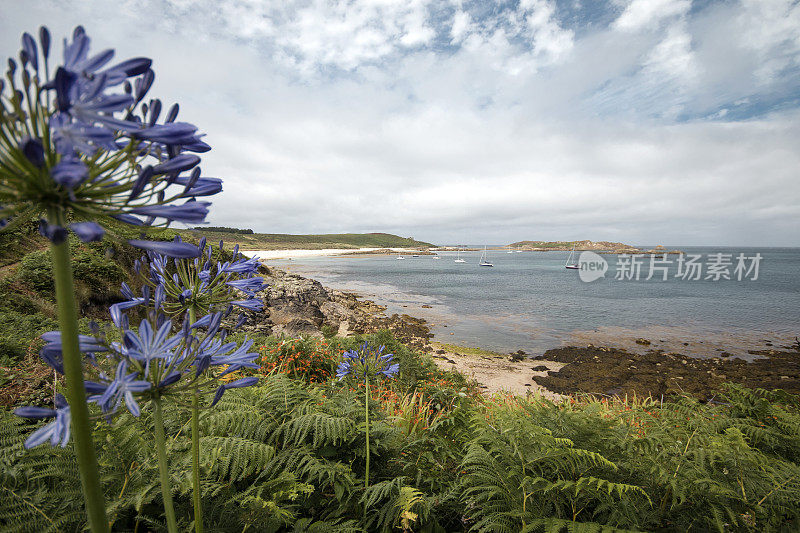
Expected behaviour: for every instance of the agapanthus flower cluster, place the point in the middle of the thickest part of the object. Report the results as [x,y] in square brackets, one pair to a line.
[80,148]
[199,285]
[367,362]
[150,361]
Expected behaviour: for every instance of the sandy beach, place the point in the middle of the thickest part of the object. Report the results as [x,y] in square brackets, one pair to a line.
[497,372]
[324,252]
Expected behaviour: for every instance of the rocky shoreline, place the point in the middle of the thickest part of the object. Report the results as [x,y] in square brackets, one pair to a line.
[296,306]
[614,371]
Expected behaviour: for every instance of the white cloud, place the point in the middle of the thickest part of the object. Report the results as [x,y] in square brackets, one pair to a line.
[772,30]
[643,14]
[673,56]
[548,37]
[460,27]
[452,124]
[347,34]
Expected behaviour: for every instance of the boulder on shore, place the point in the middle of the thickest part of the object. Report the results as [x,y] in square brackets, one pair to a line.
[295,306]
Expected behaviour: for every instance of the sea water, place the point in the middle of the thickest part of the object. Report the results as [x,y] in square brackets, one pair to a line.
[529,301]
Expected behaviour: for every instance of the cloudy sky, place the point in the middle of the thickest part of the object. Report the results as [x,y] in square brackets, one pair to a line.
[644,121]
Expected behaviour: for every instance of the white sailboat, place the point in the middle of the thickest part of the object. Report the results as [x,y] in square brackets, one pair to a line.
[458,257]
[484,260]
[570,264]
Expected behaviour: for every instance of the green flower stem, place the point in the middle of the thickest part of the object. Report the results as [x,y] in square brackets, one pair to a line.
[197,496]
[366,412]
[163,466]
[198,505]
[76,394]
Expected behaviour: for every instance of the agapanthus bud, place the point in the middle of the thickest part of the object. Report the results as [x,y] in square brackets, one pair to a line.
[143,85]
[44,38]
[146,293]
[177,164]
[29,45]
[173,113]
[55,233]
[145,175]
[155,111]
[33,151]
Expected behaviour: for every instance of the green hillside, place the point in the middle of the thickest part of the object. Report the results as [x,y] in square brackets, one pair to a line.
[276,241]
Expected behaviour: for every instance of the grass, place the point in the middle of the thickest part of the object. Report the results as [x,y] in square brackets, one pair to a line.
[465,350]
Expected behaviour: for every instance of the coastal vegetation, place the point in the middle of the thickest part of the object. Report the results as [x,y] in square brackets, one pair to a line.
[597,246]
[289,453]
[222,229]
[281,241]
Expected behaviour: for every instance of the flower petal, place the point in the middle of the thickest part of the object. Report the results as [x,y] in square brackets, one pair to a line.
[88,231]
[178,250]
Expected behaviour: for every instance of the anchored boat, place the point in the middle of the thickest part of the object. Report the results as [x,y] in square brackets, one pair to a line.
[570,264]
[484,260]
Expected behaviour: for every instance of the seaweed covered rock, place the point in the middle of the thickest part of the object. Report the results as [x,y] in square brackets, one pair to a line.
[614,371]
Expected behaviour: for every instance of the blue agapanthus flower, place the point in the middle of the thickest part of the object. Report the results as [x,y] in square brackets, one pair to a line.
[151,359]
[81,144]
[367,362]
[202,285]
[147,344]
[123,387]
[57,431]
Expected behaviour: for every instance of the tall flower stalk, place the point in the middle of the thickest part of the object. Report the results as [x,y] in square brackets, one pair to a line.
[81,151]
[362,364]
[200,286]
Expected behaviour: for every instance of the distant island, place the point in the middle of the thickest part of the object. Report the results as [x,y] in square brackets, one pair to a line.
[248,240]
[580,246]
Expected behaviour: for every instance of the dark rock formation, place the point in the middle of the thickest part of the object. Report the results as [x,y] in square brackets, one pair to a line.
[294,306]
[618,372]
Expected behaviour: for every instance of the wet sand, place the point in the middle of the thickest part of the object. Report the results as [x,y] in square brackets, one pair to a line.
[496,372]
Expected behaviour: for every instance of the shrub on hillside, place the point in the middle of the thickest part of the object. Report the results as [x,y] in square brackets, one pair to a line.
[18,331]
[100,272]
[36,271]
